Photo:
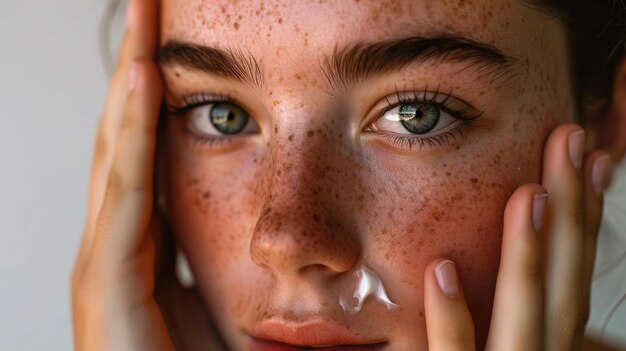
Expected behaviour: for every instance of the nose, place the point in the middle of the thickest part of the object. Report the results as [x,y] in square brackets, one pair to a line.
[291,240]
[303,226]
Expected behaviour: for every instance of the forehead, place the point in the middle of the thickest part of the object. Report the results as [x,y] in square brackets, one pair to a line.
[261,25]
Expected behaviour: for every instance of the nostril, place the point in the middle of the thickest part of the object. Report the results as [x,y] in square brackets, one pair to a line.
[291,243]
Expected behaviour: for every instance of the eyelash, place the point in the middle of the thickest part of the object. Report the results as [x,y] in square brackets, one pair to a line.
[192,101]
[467,120]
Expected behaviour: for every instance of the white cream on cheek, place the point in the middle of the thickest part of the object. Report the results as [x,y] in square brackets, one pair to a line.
[368,284]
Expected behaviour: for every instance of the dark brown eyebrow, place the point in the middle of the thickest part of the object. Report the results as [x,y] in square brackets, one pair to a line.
[350,65]
[231,64]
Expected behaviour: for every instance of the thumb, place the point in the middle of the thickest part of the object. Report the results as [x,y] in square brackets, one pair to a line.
[448,322]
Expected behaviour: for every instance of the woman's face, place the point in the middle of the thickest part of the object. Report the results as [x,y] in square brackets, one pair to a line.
[322,136]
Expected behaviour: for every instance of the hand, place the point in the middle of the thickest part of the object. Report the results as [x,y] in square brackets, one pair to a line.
[119,272]
[544,280]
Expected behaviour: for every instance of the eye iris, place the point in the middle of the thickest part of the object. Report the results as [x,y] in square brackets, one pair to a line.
[419,118]
[228,118]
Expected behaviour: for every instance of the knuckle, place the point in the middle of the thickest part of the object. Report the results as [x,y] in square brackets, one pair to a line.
[102,147]
[455,336]
[85,290]
[571,321]
[116,183]
[577,215]
[120,185]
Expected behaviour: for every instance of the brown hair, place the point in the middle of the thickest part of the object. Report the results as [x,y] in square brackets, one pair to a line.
[597,30]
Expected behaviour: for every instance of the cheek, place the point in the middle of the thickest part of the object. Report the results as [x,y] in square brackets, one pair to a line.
[450,209]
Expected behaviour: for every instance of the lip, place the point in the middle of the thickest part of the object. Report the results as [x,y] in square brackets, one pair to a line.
[277,335]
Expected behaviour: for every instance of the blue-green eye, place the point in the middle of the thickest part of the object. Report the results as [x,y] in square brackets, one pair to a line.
[419,118]
[219,119]
[228,118]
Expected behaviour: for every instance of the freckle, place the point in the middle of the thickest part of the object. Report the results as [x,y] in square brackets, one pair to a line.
[276,102]
[276,128]
[318,131]
[290,137]
[474,180]
[448,174]
[206,195]
[255,160]
[310,133]
[177,74]
[236,25]
[280,20]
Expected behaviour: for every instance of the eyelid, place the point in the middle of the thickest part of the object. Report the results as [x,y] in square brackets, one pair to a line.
[456,107]
[191,101]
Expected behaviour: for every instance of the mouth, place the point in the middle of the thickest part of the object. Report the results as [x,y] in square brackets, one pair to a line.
[268,345]
[315,335]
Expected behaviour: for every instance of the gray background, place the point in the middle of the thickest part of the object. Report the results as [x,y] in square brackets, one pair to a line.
[52,89]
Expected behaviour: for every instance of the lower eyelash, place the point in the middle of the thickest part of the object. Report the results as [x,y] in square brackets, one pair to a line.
[210,142]
[441,140]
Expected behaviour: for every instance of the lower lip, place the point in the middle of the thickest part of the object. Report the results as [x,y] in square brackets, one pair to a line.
[267,345]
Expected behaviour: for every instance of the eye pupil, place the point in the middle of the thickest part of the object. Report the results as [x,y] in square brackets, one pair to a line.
[419,118]
[228,118]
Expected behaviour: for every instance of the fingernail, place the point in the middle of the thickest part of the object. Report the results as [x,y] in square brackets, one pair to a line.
[601,174]
[576,148]
[445,272]
[539,211]
[133,73]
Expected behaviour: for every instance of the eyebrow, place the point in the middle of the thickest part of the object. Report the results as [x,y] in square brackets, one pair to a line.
[352,64]
[231,64]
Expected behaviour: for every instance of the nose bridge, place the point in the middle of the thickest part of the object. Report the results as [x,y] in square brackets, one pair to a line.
[301,223]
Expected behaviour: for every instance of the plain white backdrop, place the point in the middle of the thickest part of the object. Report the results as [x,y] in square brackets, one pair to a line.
[52,90]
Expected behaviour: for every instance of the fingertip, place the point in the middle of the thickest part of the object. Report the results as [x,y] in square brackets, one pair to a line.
[447,278]
[133,72]
[525,209]
[144,72]
[449,323]
[601,173]
[564,149]
[598,169]
[576,147]
[539,211]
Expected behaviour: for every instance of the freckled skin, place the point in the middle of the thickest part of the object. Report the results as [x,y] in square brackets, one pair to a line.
[274,224]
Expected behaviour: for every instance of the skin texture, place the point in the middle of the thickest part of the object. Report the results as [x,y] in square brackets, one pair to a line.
[273,227]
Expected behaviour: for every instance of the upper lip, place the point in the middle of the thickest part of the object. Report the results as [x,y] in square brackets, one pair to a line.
[309,333]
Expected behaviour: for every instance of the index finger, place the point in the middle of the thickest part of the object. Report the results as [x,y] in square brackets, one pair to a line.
[140,41]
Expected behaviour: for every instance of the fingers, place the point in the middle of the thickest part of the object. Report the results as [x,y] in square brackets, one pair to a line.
[597,170]
[564,304]
[112,300]
[516,322]
[139,42]
[127,209]
[448,321]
